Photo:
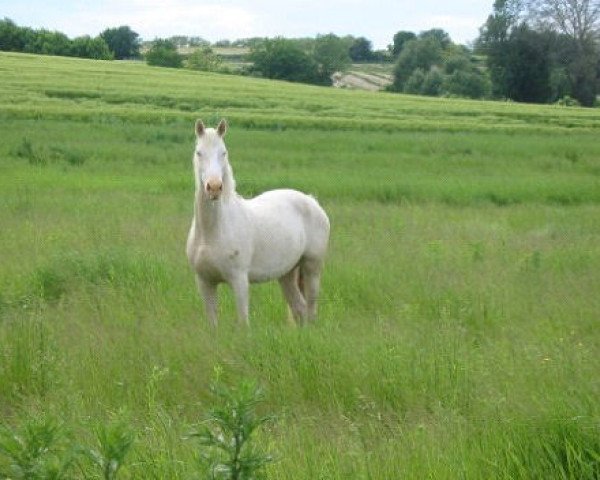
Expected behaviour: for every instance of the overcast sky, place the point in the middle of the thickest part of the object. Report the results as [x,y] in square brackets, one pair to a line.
[213,20]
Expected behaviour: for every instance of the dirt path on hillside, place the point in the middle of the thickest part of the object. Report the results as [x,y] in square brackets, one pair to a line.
[361,81]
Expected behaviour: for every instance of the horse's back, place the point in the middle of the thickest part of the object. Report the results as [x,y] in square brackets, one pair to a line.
[288,204]
[288,225]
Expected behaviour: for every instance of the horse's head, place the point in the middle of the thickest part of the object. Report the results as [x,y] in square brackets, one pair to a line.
[211,166]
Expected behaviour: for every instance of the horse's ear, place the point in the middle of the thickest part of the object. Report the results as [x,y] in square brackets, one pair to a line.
[199,128]
[222,128]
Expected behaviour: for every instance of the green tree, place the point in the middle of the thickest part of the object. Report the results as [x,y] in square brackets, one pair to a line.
[493,42]
[427,66]
[583,70]
[433,82]
[332,55]
[45,42]
[527,71]
[462,76]
[542,50]
[438,34]
[414,83]
[204,59]
[122,41]
[457,60]
[579,21]
[163,53]
[361,50]
[12,37]
[283,59]
[400,39]
[467,83]
[87,47]
[598,76]
[421,54]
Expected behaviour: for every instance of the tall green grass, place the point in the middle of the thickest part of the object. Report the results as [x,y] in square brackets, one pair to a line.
[457,334]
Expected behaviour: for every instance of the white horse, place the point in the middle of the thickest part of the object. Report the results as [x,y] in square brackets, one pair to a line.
[281,234]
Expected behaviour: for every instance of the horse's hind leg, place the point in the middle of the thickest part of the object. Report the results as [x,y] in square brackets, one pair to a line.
[293,295]
[310,276]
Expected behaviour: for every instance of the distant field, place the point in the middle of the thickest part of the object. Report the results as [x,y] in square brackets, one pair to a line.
[231,51]
[368,77]
[458,331]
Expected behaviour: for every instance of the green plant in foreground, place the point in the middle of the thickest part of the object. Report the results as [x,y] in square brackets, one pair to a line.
[26,150]
[35,452]
[227,434]
[114,442]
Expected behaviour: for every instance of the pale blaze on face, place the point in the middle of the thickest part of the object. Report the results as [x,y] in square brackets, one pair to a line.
[210,159]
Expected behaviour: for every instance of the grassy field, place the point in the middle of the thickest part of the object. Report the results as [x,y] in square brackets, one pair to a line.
[458,331]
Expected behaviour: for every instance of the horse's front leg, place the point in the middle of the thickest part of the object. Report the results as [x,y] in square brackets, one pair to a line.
[240,286]
[208,291]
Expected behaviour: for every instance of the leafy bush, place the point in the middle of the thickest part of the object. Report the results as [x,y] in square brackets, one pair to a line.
[88,47]
[114,441]
[361,50]
[568,101]
[163,53]
[415,82]
[470,84]
[37,451]
[416,54]
[332,55]
[400,39]
[204,59]
[228,433]
[433,82]
[283,59]
[73,158]
[122,42]
[46,42]
[432,65]
[25,150]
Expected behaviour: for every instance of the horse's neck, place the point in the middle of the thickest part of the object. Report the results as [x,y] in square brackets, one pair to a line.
[209,213]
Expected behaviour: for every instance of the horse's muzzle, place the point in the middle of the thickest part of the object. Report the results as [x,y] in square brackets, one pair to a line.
[214,188]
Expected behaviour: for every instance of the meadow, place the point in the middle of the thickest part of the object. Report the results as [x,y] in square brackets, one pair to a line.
[458,329]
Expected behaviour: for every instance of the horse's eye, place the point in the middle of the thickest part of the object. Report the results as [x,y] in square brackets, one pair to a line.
[199,153]
[224,154]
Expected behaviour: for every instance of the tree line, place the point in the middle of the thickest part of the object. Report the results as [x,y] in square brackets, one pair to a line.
[112,43]
[306,60]
[540,51]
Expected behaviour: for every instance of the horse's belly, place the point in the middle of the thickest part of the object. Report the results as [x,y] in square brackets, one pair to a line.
[264,273]
[276,252]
